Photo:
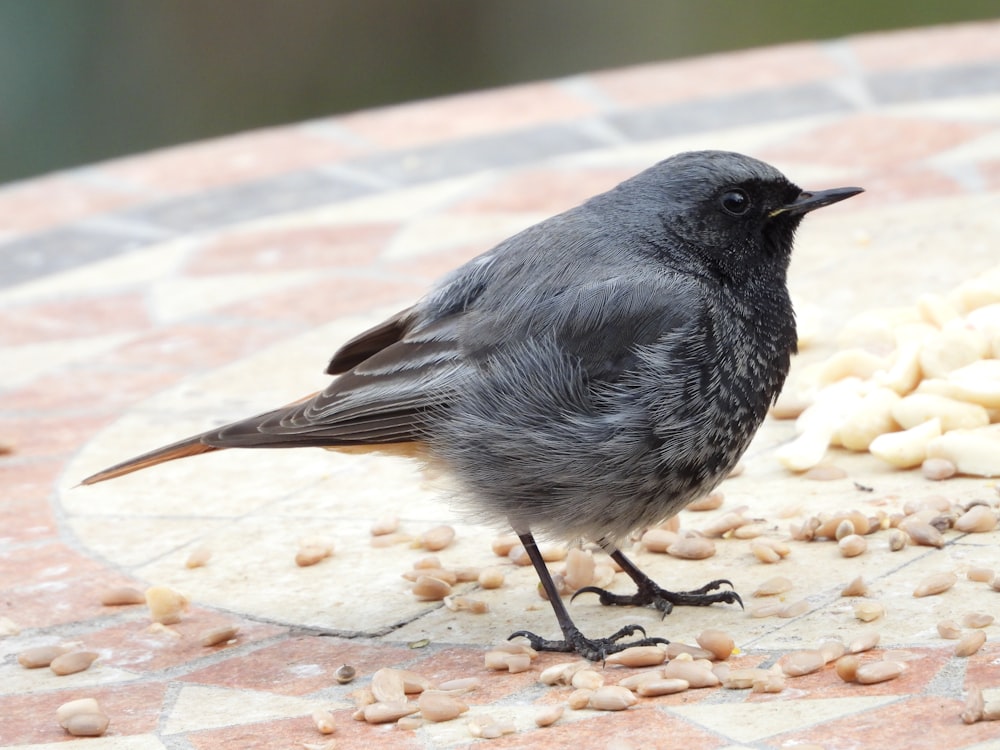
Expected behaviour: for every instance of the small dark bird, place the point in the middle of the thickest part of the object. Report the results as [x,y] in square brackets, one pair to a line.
[591,375]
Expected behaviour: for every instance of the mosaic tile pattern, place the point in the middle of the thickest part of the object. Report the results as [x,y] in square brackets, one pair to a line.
[150,297]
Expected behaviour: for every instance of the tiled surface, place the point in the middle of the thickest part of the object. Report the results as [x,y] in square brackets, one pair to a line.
[148,298]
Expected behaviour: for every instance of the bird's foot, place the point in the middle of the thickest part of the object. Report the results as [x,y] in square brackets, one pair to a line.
[595,649]
[649,594]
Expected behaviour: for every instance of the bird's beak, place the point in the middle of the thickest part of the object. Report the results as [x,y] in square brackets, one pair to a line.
[807,201]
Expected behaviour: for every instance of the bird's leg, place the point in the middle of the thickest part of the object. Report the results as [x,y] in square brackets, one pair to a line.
[595,649]
[650,594]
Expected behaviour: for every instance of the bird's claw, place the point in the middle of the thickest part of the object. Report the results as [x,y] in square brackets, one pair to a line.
[594,649]
[650,594]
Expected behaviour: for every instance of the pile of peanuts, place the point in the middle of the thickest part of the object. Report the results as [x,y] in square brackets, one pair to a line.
[914,386]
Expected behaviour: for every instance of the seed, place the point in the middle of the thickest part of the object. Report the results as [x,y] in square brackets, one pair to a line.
[935,584]
[774,586]
[825,473]
[968,644]
[466,604]
[794,609]
[513,663]
[604,574]
[949,629]
[769,682]
[75,708]
[438,706]
[549,716]
[658,540]
[977,620]
[766,609]
[345,673]
[429,589]
[633,681]
[878,671]
[832,650]
[844,528]
[671,524]
[561,674]
[406,723]
[724,524]
[198,558]
[39,656]
[442,574]
[937,469]
[87,725]
[491,578]
[922,533]
[856,587]
[586,678]
[995,583]
[981,575]
[519,555]
[977,519]
[437,538]
[427,562]
[974,706]
[121,595]
[387,524]
[742,679]
[387,686]
[308,556]
[764,553]
[165,604]
[864,642]
[869,611]
[750,531]
[639,656]
[711,501]
[720,643]
[661,686]
[384,713]
[696,675]
[612,698]
[221,634]
[553,553]
[897,539]
[847,667]
[676,649]
[991,711]
[579,698]
[502,545]
[852,545]
[73,662]
[692,548]
[579,569]
[800,663]
[323,720]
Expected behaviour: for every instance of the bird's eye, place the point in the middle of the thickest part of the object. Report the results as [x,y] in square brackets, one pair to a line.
[735,202]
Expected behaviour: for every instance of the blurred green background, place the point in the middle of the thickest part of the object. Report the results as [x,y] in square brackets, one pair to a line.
[84,80]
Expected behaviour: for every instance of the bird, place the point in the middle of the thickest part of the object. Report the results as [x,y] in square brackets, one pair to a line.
[589,376]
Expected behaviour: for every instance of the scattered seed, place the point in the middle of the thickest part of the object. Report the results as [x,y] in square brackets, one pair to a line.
[73,662]
[794,609]
[878,671]
[579,698]
[323,720]
[384,713]
[502,545]
[407,724]
[977,620]
[766,609]
[742,679]
[312,554]
[764,553]
[661,686]
[692,548]
[935,584]
[39,656]
[852,545]
[437,538]
[221,634]
[439,706]
[847,667]
[519,555]
[800,663]
[87,725]
[724,524]
[658,540]
[949,629]
[553,553]
[676,649]
[718,642]
[856,587]
[387,524]
[442,574]
[897,539]
[769,682]
[711,501]
[345,673]
[612,698]
[491,578]
[974,706]
[587,678]
[165,604]
[773,586]
[390,540]
[864,642]
[121,595]
[198,558]
[387,686]
[74,708]
[937,469]
[429,589]
[633,681]
[869,611]
[991,711]
[695,674]
[549,716]
[969,643]
[751,530]
[977,519]
[561,674]
[825,473]
[832,650]
[923,533]
[579,569]
[639,656]
[980,575]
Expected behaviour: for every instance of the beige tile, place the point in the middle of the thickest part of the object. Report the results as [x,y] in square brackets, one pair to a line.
[200,707]
[130,742]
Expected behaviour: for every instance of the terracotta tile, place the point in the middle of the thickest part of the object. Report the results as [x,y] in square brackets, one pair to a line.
[91,385]
[294,732]
[906,185]
[190,347]
[77,317]
[922,723]
[134,708]
[134,646]
[350,246]
[25,513]
[466,115]
[874,141]
[543,191]
[928,47]
[225,161]
[56,199]
[37,435]
[983,668]
[714,75]
[430,267]
[299,665]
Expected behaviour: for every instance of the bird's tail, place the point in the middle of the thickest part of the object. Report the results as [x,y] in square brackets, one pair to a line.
[191,446]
